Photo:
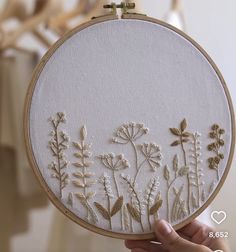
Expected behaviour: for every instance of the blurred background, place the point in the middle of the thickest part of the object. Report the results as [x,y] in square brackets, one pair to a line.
[28,221]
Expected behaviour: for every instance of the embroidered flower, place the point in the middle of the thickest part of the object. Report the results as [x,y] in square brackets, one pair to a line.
[152,153]
[115,163]
[129,133]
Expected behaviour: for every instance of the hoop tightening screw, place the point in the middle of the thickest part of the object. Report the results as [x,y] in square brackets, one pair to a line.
[123,6]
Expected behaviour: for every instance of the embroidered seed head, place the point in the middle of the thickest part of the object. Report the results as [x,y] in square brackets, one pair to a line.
[221,142]
[113,162]
[212,163]
[52,133]
[64,137]
[215,127]
[152,153]
[221,156]
[210,147]
[221,131]
[213,135]
[129,132]
[61,117]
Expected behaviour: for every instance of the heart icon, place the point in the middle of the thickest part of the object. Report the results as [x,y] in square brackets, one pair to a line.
[218,216]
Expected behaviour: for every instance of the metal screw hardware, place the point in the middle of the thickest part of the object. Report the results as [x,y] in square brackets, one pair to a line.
[123,6]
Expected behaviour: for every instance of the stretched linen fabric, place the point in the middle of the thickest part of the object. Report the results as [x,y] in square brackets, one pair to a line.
[16,67]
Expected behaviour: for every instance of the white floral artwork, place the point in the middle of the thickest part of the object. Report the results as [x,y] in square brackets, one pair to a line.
[141,127]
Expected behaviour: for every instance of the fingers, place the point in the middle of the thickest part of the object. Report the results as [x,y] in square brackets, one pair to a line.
[172,242]
[192,228]
[197,232]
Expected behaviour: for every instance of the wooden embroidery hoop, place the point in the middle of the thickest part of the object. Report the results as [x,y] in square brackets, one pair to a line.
[31,156]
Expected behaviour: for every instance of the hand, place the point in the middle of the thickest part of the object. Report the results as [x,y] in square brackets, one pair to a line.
[192,238]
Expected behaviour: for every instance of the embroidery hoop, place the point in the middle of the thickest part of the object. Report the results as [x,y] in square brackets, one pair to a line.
[31,154]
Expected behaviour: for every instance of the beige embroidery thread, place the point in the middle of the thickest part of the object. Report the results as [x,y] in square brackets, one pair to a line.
[196,174]
[130,133]
[178,172]
[135,208]
[178,210]
[83,177]
[146,153]
[152,205]
[216,134]
[115,164]
[183,138]
[109,212]
[58,144]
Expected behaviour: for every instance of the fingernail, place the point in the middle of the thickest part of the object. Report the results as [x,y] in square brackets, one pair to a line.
[163,228]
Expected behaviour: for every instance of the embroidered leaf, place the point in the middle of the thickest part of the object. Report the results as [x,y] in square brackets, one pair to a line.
[78,155]
[80,196]
[78,174]
[77,145]
[90,195]
[203,196]
[155,207]
[194,201]
[90,183]
[175,163]
[70,199]
[87,154]
[88,163]
[126,218]
[166,173]
[89,174]
[93,215]
[87,146]
[212,186]
[78,164]
[175,131]
[158,197]
[185,140]
[77,183]
[64,176]
[83,133]
[186,134]
[183,125]
[102,211]
[135,214]
[184,171]
[175,143]
[117,206]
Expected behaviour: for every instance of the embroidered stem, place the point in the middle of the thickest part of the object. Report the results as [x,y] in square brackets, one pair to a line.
[57,145]
[133,191]
[109,210]
[58,159]
[136,154]
[188,178]
[138,171]
[168,192]
[118,195]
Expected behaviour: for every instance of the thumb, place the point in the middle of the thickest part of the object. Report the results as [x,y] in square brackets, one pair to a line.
[172,242]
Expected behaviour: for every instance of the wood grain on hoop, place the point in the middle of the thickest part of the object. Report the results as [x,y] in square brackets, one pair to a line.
[30,153]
